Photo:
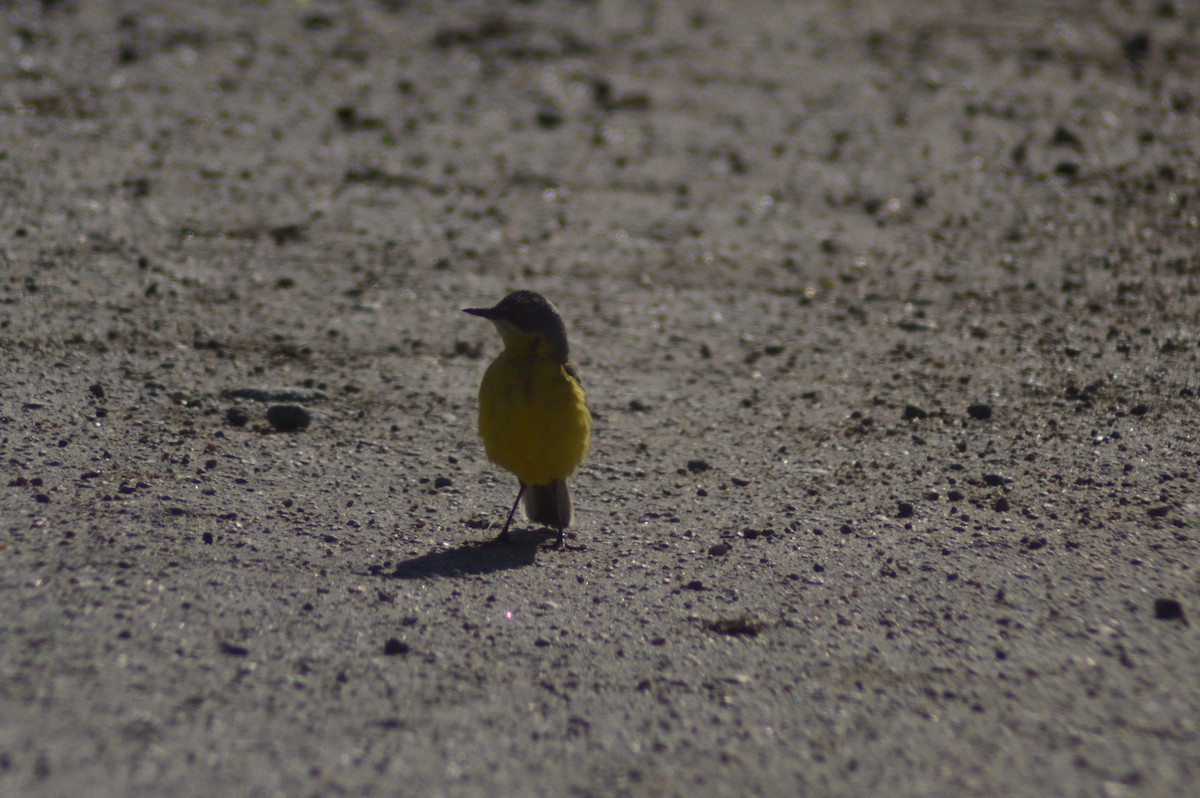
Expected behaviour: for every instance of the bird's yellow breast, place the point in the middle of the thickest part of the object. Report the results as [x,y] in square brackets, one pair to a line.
[533,418]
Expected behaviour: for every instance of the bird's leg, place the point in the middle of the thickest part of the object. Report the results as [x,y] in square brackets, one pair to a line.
[503,536]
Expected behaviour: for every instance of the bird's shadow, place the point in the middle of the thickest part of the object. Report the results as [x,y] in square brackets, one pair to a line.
[519,551]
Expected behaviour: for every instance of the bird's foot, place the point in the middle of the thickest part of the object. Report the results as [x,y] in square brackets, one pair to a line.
[503,539]
[562,545]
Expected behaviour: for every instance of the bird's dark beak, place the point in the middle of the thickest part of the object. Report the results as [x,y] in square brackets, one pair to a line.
[487,313]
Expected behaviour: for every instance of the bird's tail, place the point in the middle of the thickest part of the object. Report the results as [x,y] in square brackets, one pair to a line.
[549,505]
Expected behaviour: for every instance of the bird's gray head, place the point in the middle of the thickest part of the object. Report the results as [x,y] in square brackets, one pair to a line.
[528,313]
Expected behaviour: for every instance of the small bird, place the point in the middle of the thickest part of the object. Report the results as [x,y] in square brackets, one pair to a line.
[533,416]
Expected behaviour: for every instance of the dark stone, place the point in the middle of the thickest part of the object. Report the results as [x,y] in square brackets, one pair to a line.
[288,418]
[979,410]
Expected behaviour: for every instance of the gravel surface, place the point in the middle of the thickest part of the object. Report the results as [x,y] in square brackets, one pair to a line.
[887,313]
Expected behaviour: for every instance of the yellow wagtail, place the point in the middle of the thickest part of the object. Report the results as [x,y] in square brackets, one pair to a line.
[533,416]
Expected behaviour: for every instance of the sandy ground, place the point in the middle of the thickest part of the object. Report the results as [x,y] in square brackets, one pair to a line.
[887,312]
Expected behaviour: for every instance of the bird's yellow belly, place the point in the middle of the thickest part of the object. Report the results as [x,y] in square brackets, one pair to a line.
[533,419]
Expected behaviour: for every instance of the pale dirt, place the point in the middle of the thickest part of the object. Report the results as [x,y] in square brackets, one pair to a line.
[772,227]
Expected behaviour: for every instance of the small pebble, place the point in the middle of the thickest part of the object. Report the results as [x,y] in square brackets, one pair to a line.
[395,647]
[980,411]
[1166,609]
[288,418]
